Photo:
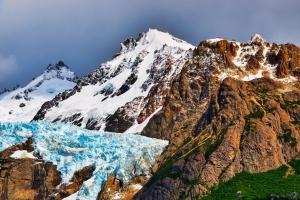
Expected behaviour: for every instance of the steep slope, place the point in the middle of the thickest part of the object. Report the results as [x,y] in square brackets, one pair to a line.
[22,104]
[234,107]
[121,94]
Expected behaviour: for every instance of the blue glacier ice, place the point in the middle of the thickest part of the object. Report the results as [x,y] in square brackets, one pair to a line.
[71,148]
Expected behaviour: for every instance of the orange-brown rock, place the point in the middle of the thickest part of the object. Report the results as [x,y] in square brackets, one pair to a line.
[259,54]
[287,58]
[253,65]
[74,184]
[111,186]
[243,126]
[28,178]
[115,189]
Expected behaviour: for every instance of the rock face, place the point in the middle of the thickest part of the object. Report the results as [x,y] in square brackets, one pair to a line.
[219,125]
[33,178]
[115,189]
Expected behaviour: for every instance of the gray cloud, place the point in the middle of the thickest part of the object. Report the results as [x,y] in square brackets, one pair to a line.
[8,65]
[86,33]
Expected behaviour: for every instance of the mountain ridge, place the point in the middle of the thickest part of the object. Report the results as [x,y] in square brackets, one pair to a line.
[224,106]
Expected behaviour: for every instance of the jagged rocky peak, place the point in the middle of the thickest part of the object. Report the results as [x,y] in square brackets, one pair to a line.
[257,38]
[127,45]
[61,71]
[4,91]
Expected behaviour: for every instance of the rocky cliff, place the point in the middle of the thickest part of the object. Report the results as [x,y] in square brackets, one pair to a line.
[234,107]
[30,177]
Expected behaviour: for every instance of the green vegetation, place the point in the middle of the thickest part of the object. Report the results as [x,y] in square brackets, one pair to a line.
[255,115]
[295,122]
[261,91]
[259,186]
[212,147]
[289,104]
[166,170]
[247,126]
[295,164]
[287,137]
[270,110]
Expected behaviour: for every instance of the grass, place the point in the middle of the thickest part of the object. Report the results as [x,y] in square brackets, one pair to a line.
[259,186]
[248,126]
[287,138]
[255,115]
[289,104]
[166,170]
[212,147]
[295,122]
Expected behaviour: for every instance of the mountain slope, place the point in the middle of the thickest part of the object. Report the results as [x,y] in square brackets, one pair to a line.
[22,104]
[122,93]
[234,107]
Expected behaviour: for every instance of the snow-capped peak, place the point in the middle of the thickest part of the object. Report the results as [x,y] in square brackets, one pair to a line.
[257,38]
[61,71]
[152,37]
[22,103]
[122,85]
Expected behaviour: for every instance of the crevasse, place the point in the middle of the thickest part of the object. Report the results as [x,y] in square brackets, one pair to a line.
[72,148]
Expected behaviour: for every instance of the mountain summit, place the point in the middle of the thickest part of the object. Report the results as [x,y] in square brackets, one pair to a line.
[22,103]
[257,38]
[127,89]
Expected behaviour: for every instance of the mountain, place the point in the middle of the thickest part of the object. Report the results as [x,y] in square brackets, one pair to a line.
[22,103]
[121,94]
[227,109]
[233,108]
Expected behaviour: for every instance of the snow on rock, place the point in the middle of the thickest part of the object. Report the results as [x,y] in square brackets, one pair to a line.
[71,148]
[257,38]
[71,197]
[54,79]
[23,154]
[151,60]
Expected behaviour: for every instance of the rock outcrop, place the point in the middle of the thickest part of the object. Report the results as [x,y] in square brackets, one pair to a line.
[33,178]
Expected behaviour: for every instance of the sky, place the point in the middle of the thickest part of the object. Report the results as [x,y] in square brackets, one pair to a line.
[84,34]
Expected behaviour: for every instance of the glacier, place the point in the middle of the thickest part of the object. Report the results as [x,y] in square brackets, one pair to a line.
[71,148]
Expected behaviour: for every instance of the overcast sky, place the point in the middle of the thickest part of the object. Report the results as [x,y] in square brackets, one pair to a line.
[84,34]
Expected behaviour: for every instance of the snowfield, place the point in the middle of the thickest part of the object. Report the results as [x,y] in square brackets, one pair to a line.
[151,52]
[71,148]
[54,80]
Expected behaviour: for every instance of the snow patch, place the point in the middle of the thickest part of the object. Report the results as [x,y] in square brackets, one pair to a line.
[23,154]
[71,197]
[137,186]
[253,76]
